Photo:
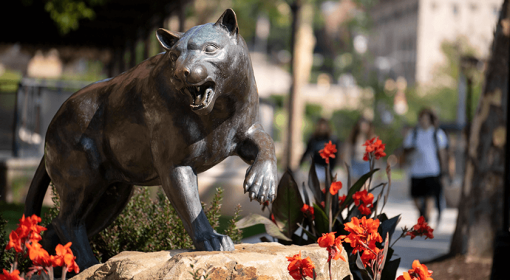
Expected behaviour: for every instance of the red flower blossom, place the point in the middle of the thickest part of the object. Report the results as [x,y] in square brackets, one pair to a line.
[374,147]
[272,219]
[341,199]
[369,255]
[421,229]
[362,233]
[364,210]
[299,268]
[38,255]
[418,272]
[308,211]
[70,262]
[10,276]
[327,240]
[334,246]
[364,201]
[323,204]
[14,242]
[328,151]
[61,252]
[335,187]
[27,230]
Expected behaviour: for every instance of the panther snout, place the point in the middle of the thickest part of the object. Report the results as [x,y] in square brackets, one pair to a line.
[192,75]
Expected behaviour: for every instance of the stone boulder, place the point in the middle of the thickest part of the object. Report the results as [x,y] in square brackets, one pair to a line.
[248,261]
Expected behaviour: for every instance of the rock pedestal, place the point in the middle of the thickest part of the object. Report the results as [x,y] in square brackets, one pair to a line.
[249,261]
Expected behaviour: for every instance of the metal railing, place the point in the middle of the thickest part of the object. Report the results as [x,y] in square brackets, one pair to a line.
[36,102]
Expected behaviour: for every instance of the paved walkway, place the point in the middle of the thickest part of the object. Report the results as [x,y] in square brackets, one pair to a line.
[419,248]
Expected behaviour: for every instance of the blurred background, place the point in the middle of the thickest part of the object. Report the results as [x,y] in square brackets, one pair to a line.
[380,60]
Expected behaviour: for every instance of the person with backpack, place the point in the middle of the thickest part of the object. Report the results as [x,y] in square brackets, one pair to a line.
[425,149]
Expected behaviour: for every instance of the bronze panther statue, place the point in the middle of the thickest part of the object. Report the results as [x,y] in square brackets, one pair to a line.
[162,122]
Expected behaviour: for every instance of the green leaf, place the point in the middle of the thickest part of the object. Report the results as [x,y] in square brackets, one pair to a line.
[390,269]
[305,195]
[287,205]
[314,184]
[357,186]
[310,235]
[321,220]
[255,219]
[389,226]
[363,271]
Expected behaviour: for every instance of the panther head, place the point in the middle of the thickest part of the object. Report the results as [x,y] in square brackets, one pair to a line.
[205,61]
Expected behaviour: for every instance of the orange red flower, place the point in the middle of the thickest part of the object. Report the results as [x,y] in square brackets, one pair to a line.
[28,229]
[70,262]
[328,151]
[364,201]
[341,199]
[61,252]
[374,147]
[10,276]
[299,267]
[308,211]
[335,187]
[333,245]
[368,255]
[38,255]
[362,233]
[15,242]
[421,229]
[418,272]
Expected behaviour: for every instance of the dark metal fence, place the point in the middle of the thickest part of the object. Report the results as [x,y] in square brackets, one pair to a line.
[29,112]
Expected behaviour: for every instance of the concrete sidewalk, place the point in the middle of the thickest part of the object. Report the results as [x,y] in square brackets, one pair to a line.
[419,248]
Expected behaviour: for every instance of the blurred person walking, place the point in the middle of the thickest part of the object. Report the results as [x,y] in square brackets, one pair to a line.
[354,149]
[320,136]
[425,151]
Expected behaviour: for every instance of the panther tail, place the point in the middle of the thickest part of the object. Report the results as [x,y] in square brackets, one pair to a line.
[37,190]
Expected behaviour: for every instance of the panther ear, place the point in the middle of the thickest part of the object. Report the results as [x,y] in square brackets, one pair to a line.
[228,20]
[167,38]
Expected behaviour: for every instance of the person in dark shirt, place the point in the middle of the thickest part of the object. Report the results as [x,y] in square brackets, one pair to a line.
[320,136]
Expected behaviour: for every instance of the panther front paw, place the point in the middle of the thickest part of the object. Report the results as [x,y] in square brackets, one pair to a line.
[260,181]
[215,242]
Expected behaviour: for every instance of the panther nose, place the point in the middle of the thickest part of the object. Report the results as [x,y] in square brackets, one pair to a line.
[197,74]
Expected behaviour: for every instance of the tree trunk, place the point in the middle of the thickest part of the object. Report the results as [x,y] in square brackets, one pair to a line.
[481,206]
[302,42]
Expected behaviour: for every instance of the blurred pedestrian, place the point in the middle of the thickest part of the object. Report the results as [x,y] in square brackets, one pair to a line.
[354,149]
[425,151]
[320,136]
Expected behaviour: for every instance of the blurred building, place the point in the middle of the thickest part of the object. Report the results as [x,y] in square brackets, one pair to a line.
[406,35]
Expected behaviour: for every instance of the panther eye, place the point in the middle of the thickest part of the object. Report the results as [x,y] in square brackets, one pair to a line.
[210,49]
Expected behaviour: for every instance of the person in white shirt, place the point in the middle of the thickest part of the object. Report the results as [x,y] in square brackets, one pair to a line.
[425,147]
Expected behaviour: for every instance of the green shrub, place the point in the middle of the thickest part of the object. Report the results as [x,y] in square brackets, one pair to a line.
[7,256]
[148,225]
[4,258]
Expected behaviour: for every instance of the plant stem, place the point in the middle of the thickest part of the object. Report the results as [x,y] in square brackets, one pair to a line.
[15,265]
[64,272]
[328,199]
[372,164]
[330,275]
[402,235]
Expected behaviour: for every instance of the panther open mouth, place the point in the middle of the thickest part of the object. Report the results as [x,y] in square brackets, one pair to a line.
[201,95]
